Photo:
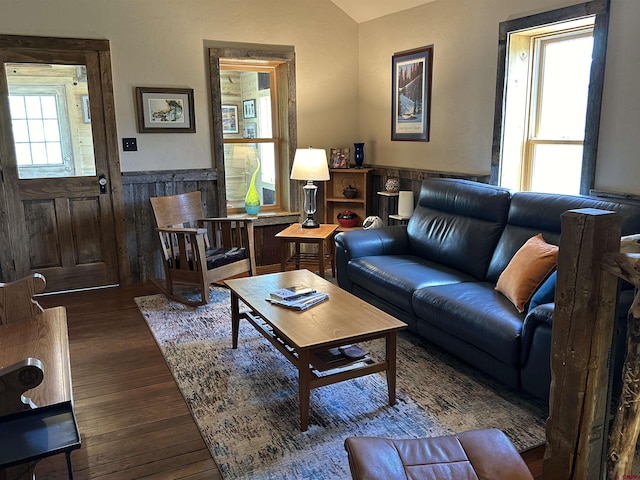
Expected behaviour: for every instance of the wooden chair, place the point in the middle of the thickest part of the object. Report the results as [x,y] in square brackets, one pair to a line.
[16,298]
[197,250]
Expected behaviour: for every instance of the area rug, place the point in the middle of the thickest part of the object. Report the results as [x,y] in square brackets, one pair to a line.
[245,401]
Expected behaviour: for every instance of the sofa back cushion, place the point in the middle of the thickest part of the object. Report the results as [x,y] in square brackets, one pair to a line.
[533,213]
[458,223]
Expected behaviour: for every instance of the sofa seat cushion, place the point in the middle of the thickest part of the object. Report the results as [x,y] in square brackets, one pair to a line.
[395,277]
[475,313]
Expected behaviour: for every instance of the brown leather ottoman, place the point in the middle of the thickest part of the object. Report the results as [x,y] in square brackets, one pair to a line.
[473,455]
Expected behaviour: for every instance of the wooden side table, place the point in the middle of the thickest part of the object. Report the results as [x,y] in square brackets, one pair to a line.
[321,236]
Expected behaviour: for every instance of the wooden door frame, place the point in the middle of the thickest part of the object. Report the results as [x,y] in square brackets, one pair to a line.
[9,201]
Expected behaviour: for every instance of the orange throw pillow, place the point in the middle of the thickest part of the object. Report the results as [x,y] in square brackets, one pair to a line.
[526,271]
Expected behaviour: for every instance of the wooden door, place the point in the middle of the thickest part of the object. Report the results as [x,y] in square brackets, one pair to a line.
[62,195]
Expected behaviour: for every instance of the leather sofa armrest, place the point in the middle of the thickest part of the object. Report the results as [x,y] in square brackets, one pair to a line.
[376,241]
[363,243]
[539,317]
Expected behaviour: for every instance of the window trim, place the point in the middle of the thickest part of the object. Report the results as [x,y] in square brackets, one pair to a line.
[597,8]
[287,141]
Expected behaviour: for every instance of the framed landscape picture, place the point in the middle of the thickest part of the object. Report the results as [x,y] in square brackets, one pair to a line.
[165,110]
[411,94]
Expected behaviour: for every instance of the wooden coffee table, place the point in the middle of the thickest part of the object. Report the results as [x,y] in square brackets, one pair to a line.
[343,319]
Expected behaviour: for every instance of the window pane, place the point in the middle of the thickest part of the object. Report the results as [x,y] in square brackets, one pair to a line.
[39,154]
[51,132]
[53,137]
[54,153]
[49,109]
[20,131]
[556,169]
[16,105]
[23,153]
[36,131]
[566,66]
[240,162]
[246,100]
[33,107]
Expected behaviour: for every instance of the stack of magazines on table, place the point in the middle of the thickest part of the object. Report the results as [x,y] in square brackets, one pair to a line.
[297,297]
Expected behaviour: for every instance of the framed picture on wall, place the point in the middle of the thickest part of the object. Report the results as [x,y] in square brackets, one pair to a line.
[249,109]
[411,94]
[165,110]
[250,130]
[229,119]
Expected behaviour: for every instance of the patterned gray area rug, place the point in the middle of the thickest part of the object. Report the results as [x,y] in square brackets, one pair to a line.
[245,402]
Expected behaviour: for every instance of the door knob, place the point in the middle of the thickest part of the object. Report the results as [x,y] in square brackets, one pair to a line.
[102,181]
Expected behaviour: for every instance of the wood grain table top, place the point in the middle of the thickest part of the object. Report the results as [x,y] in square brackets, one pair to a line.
[295,231]
[342,317]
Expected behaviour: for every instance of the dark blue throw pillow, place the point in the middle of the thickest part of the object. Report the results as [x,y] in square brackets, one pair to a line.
[545,293]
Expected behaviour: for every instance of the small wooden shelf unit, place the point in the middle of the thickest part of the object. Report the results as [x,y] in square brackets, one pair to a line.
[335,202]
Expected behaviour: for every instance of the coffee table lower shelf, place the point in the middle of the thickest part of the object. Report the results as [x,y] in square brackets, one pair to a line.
[311,377]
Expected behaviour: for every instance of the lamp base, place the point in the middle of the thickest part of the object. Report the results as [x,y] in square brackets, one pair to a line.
[310,223]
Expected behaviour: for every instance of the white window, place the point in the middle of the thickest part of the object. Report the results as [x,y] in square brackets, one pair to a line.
[548,99]
[545,121]
[37,114]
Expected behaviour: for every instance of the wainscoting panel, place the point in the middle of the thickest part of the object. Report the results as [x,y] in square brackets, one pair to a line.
[138,188]
[410,180]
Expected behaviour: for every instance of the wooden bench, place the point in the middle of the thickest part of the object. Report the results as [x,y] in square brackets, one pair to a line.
[35,381]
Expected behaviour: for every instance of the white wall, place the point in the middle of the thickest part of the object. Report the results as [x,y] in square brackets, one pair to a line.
[343,72]
[618,167]
[162,43]
[465,38]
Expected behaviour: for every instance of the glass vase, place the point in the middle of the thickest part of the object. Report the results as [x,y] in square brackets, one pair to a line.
[252,200]
[358,156]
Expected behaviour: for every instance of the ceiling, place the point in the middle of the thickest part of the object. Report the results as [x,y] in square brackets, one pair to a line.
[365,10]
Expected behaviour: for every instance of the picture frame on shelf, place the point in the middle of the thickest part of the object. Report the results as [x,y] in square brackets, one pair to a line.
[339,158]
[249,108]
[165,110]
[230,119]
[411,94]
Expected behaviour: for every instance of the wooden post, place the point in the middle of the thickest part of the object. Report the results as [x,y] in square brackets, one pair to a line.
[626,426]
[582,333]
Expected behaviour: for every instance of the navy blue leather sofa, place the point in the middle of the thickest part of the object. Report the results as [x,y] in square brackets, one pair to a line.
[438,273]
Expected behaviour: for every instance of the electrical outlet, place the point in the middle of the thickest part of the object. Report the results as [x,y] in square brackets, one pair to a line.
[129,145]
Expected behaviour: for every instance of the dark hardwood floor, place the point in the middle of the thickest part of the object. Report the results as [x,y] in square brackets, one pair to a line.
[133,420]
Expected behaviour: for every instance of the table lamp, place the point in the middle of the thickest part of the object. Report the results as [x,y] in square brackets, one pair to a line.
[310,164]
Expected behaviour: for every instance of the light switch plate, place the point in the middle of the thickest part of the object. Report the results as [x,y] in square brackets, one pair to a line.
[129,145]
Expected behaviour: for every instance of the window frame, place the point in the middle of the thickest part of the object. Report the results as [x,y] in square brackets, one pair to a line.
[598,9]
[285,123]
[532,138]
[261,67]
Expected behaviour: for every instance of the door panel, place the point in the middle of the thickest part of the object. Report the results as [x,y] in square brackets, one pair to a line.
[59,223]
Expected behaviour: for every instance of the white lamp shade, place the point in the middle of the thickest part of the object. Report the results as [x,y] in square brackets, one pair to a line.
[310,164]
